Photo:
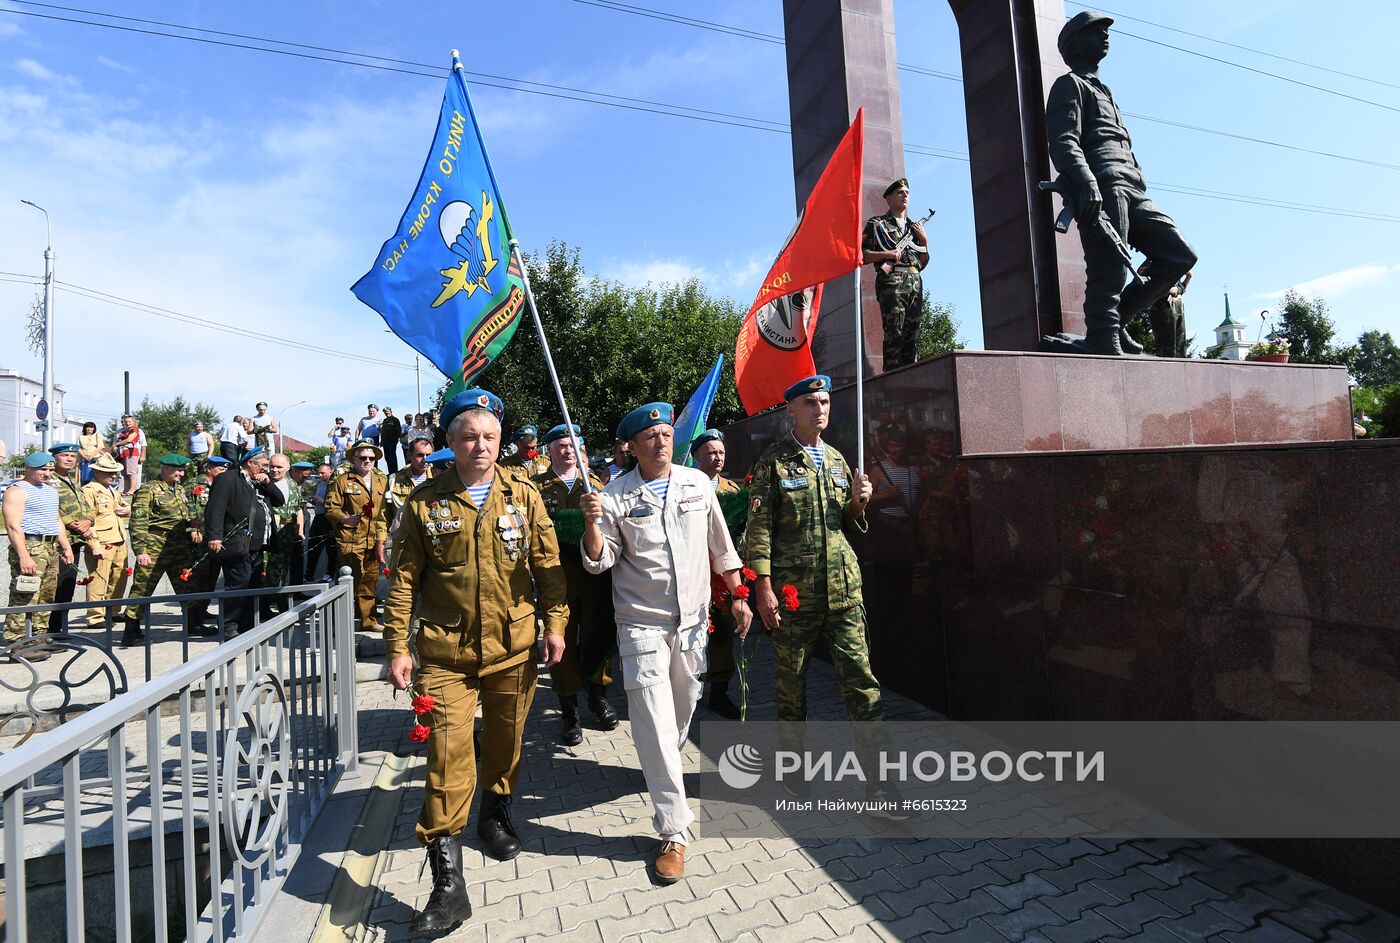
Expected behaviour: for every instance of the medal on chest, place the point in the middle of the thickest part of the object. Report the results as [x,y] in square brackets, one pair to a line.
[510,526]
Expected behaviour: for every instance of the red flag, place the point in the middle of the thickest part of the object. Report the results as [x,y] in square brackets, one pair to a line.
[774,347]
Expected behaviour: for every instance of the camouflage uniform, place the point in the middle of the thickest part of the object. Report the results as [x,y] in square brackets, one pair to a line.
[47,557]
[161,525]
[286,545]
[900,292]
[720,648]
[583,592]
[73,506]
[798,519]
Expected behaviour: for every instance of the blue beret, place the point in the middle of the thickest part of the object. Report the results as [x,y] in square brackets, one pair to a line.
[559,432]
[817,384]
[255,452]
[475,398]
[440,457]
[38,460]
[306,465]
[709,435]
[62,447]
[217,461]
[525,430]
[644,417]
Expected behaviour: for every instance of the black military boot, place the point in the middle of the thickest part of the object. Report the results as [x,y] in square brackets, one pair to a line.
[720,702]
[570,732]
[1126,341]
[1104,339]
[603,712]
[494,827]
[131,631]
[448,905]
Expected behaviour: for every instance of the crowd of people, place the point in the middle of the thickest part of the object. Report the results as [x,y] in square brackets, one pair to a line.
[649,575]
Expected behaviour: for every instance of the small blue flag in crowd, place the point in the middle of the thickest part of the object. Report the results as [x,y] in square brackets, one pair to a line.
[447,282]
[692,419]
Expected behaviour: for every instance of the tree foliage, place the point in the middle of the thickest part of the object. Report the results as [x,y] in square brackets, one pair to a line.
[938,330]
[1309,329]
[1377,360]
[168,426]
[615,347]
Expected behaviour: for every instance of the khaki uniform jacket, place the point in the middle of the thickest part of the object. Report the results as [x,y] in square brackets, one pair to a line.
[400,487]
[107,527]
[474,575]
[728,486]
[515,457]
[348,495]
[798,521]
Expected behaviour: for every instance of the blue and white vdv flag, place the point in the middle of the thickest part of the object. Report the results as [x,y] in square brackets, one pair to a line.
[691,422]
[446,282]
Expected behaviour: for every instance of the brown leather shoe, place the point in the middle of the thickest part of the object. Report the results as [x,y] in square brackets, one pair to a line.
[670,862]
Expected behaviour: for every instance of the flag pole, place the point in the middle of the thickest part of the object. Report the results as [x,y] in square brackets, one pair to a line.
[860,380]
[549,362]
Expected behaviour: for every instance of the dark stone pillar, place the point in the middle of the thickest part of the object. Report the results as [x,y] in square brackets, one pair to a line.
[1032,281]
[840,56]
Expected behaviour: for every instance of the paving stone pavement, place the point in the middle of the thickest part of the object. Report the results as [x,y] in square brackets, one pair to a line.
[584,819]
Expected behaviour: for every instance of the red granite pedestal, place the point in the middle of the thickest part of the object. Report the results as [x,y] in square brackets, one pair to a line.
[1095,538]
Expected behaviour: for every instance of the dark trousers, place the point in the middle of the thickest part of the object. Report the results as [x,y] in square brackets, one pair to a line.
[241,571]
[318,540]
[1145,227]
[67,584]
[229,450]
[391,457]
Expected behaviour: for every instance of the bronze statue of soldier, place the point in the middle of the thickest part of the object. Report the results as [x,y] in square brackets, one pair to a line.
[1102,184]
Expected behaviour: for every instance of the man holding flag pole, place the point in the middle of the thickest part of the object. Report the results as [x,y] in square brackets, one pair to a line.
[452,284]
[805,500]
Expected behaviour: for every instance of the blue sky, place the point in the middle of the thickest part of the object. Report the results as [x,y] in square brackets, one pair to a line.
[252,189]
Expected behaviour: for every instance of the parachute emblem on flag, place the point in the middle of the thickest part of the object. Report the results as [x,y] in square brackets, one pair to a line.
[784,321]
[470,240]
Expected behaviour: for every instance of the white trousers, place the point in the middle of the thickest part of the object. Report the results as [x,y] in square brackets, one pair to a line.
[661,672]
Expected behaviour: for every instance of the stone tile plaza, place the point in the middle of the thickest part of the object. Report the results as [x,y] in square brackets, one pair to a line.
[945,569]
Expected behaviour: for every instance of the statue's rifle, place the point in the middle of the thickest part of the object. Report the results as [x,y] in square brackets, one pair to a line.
[1102,225]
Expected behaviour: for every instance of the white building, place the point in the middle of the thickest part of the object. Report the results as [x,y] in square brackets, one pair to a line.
[1229,336]
[19,395]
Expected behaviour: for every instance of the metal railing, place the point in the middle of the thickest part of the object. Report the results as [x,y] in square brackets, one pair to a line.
[215,770]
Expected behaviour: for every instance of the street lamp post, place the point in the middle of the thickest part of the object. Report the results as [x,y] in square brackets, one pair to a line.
[281,424]
[47,434]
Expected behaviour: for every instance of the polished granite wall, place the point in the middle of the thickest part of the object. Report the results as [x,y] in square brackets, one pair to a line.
[1195,581]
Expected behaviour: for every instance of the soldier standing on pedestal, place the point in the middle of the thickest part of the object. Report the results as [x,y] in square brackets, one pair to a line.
[898,286]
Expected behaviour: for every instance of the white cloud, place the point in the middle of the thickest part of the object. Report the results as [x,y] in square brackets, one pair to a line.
[114,64]
[9,27]
[655,272]
[1337,284]
[36,70]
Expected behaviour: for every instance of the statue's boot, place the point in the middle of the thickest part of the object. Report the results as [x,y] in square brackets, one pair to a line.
[1104,340]
[1126,342]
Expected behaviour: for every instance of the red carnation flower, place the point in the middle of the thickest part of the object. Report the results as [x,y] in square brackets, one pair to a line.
[749,574]
[740,592]
[712,627]
[185,575]
[748,480]
[383,571]
[423,704]
[198,490]
[533,453]
[128,571]
[790,598]
[419,733]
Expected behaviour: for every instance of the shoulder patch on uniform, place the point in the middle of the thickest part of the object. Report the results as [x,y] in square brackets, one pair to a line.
[757,503]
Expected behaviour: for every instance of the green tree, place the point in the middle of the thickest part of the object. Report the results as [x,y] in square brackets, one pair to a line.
[1381,406]
[615,347]
[1377,362]
[1309,329]
[938,330]
[168,426]
[17,459]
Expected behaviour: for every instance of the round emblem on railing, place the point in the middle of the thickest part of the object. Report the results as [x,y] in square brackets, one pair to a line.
[255,767]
